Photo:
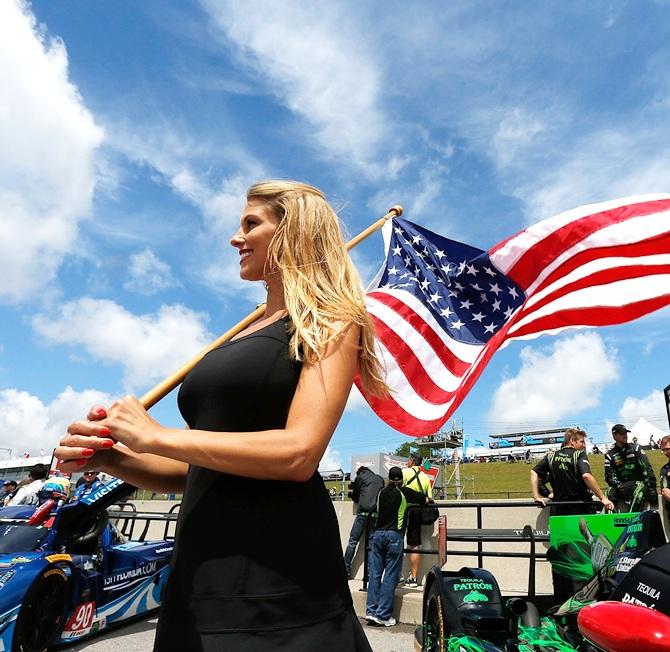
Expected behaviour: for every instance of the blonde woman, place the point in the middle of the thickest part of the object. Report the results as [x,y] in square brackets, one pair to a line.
[257,562]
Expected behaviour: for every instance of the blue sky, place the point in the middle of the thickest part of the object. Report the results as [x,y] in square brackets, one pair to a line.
[130,132]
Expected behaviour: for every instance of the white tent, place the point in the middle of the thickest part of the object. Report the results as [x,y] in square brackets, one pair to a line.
[643,431]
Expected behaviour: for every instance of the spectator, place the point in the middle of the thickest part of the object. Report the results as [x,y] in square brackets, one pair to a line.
[626,469]
[652,442]
[569,473]
[364,490]
[596,450]
[387,547]
[665,474]
[415,479]
[27,494]
[9,489]
[90,484]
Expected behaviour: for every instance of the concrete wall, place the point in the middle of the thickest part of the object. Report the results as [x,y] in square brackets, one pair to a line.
[512,574]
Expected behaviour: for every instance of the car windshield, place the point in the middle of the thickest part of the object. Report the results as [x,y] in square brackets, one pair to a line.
[19,537]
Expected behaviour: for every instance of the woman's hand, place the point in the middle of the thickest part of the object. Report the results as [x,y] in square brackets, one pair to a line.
[128,422]
[87,444]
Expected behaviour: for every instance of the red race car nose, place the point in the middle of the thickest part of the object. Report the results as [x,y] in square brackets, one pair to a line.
[622,627]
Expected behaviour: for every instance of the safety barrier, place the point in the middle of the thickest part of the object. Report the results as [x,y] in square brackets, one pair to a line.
[480,535]
[129,516]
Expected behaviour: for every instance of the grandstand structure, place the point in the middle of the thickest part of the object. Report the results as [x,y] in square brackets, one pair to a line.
[17,468]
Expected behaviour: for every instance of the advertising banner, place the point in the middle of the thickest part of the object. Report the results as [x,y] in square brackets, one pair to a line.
[579,545]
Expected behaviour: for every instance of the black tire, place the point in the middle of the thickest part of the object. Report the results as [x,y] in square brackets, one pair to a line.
[43,613]
[435,622]
[552,440]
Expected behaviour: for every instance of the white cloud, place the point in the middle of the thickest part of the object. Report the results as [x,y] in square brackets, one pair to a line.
[331,460]
[515,133]
[148,273]
[48,140]
[651,407]
[148,347]
[315,59]
[555,382]
[26,423]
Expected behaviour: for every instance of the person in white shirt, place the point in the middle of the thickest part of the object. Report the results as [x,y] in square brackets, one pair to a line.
[27,494]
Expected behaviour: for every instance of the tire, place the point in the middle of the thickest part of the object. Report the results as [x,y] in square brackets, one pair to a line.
[435,623]
[43,613]
[552,440]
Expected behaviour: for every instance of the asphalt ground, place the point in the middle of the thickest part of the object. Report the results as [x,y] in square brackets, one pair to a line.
[139,637]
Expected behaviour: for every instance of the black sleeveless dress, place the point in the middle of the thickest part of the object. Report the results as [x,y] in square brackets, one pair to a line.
[257,564]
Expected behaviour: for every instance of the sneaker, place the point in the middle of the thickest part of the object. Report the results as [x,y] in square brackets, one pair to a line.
[411,582]
[387,623]
[372,620]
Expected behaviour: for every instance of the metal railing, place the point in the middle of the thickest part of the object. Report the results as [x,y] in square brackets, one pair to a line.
[126,518]
[480,535]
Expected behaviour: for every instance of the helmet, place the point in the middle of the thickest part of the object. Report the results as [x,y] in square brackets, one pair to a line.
[55,488]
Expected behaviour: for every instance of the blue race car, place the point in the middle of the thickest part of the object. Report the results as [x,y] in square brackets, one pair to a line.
[67,573]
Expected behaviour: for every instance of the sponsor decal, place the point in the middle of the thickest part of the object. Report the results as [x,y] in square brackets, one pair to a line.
[466,584]
[5,577]
[475,596]
[632,542]
[630,599]
[20,560]
[55,571]
[635,527]
[653,593]
[55,558]
[165,549]
[626,563]
[122,579]
[102,491]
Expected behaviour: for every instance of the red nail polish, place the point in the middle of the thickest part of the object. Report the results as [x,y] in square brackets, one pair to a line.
[101,413]
[108,443]
[88,452]
[104,431]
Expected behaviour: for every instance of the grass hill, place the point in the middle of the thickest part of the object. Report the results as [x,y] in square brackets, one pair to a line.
[512,480]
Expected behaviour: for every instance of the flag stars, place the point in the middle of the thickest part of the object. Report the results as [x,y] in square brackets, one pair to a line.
[435,297]
[393,270]
[439,253]
[495,288]
[471,269]
[416,239]
[461,267]
[489,271]
[458,286]
[496,305]
[513,292]
[397,250]
[446,312]
[424,284]
[458,324]
[446,268]
[490,328]
[508,312]
[476,287]
[484,297]
[466,304]
[478,316]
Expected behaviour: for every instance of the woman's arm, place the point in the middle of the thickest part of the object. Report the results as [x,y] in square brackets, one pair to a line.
[291,453]
[145,470]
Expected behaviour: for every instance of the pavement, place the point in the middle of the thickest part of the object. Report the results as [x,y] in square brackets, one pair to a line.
[139,637]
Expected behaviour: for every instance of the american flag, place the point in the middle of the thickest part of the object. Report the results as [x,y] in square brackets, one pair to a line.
[442,308]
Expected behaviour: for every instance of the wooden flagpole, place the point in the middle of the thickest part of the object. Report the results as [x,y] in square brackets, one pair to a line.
[166,386]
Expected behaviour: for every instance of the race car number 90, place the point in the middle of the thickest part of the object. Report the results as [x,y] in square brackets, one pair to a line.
[81,619]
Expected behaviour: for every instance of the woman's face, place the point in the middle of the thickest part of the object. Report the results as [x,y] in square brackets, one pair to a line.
[257,226]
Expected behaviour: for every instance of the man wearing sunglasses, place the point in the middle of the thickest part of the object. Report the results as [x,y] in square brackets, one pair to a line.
[89,485]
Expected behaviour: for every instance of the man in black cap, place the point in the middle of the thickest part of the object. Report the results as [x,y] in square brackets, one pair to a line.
[9,488]
[386,548]
[627,472]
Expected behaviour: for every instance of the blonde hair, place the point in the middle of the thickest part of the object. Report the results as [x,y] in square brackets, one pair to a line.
[323,292]
[573,433]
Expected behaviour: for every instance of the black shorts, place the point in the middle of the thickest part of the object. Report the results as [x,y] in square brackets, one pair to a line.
[413,526]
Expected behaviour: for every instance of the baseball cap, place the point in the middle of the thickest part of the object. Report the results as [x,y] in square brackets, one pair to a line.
[619,429]
[395,473]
